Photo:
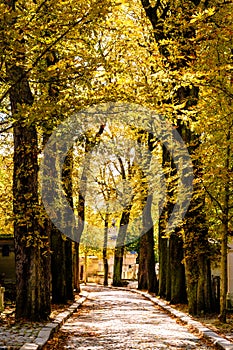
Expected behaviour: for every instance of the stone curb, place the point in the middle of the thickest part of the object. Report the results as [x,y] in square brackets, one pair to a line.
[220,342]
[51,327]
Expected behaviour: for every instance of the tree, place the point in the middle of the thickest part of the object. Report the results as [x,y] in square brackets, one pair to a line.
[23,78]
[105,182]
[213,73]
[31,244]
[173,34]
[146,276]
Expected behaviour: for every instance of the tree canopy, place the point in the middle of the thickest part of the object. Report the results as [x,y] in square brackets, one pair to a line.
[172,58]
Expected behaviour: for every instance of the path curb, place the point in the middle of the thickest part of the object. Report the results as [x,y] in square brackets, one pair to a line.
[220,342]
[51,327]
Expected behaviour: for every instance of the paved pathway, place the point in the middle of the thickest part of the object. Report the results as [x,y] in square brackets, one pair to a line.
[115,319]
[16,335]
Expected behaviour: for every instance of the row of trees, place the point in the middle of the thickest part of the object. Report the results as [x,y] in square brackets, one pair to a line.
[173,57]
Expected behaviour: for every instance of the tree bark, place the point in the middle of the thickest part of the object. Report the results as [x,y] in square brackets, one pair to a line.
[225,234]
[171,268]
[223,280]
[89,145]
[105,249]
[163,260]
[168,271]
[68,188]
[146,276]
[61,246]
[31,243]
[142,268]
[119,249]
[177,270]
[195,235]
[76,267]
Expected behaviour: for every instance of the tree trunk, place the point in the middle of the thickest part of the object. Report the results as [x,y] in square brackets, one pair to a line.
[151,275]
[172,273]
[225,233]
[105,249]
[168,271]
[85,267]
[76,267]
[203,286]
[142,269]
[119,250]
[197,264]
[147,277]
[163,256]
[196,242]
[68,188]
[90,144]
[61,246]
[177,270]
[223,280]
[58,267]
[69,269]
[31,243]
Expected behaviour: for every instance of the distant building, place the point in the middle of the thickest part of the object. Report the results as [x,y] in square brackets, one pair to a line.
[92,268]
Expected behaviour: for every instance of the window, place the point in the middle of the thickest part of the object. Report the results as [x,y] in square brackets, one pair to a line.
[5,250]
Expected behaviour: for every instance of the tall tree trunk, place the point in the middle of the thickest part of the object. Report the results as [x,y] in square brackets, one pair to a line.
[89,145]
[172,274]
[223,280]
[168,271]
[31,243]
[58,267]
[163,253]
[76,267]
[142,268]
[146,276]
[68,188]
[197,260]
[177,269]
[61,246]
[225,233]
[196,242]
[57,240]
[105,249]
[120,246]
[163,260]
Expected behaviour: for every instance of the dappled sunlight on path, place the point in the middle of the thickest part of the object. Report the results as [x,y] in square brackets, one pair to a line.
[116,319]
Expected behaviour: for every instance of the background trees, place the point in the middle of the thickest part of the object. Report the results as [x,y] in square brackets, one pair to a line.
[30,32]
[180,43]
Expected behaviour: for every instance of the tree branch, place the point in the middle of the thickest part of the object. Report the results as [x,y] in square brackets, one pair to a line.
[47,49]
[6,129]
[211,196]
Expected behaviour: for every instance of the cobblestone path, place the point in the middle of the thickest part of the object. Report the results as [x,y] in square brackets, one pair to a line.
[115,319]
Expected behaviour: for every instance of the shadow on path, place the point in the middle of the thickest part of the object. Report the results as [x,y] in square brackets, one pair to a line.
[116,319]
